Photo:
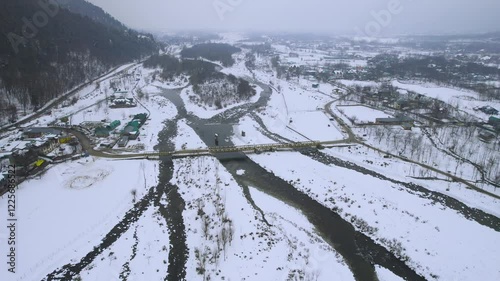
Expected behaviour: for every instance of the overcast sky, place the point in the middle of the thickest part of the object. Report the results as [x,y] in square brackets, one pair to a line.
[336,16]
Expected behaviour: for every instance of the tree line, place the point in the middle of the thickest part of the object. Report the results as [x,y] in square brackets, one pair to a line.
[65,52]
[213,52]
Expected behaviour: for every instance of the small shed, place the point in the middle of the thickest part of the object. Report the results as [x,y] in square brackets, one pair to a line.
[113,125]
[122,142]
[101,132]
[486,136]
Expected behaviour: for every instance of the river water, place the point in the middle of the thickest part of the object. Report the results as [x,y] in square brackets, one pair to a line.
[359,251]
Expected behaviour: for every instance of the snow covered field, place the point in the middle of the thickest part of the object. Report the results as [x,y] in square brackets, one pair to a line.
[252,131]
[315,126]
[362,114]
[435,91]
[207,112]
[466,100]
[63,214]
[404,171]
[428,234]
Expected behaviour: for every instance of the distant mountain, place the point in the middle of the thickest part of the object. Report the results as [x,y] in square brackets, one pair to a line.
[47,49]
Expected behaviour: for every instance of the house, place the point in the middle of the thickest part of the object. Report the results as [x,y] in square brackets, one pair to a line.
[123,103]
[35,133]
[407,126]
[495,122]
[142,117]
[122,142]
[338,74]
[113,125]
[101,132]
[486,136]
[488,110]
[23,160]
[46,147]
[398,120]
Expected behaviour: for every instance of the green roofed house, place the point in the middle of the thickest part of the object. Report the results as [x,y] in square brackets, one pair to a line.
[113,125]
[101,132]
[132,130]
[142,116]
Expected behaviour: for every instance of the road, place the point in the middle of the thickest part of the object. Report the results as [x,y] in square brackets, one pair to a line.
[62,98]
[354,139]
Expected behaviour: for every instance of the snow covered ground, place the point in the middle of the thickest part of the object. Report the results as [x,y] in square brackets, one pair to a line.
[315,126]
[141,253]
[362,114]
[427,233]
[207,112]
[66,212]
[186,137]
[466,100]
[252,130]
[254,251]
[404,171]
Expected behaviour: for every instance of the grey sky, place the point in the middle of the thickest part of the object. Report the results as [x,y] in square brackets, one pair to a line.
[344,16]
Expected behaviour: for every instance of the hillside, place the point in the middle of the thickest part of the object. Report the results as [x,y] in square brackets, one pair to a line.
[95,13]
[49,50]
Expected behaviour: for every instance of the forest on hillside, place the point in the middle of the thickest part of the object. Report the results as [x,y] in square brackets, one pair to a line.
[39,62]
[211,51]
[211,87]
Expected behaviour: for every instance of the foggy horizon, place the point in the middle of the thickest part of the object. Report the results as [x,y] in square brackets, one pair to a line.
[357,17]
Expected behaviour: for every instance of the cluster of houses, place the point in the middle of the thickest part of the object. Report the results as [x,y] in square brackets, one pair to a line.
[122,103]
[104,131]
[37,147]
[131,129]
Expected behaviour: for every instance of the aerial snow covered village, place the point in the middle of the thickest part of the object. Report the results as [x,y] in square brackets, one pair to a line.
[262,157]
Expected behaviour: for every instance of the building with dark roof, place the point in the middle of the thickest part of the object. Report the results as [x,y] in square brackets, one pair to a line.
[398,120]
[38,132]
[122,142]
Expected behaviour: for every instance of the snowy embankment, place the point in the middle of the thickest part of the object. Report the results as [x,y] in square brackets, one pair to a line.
[404,171]
[416,228]
[141,253]
[252,130]
[298,114]
[186,137]
[92,107]
[65,213]
[228,239]
[207,112]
